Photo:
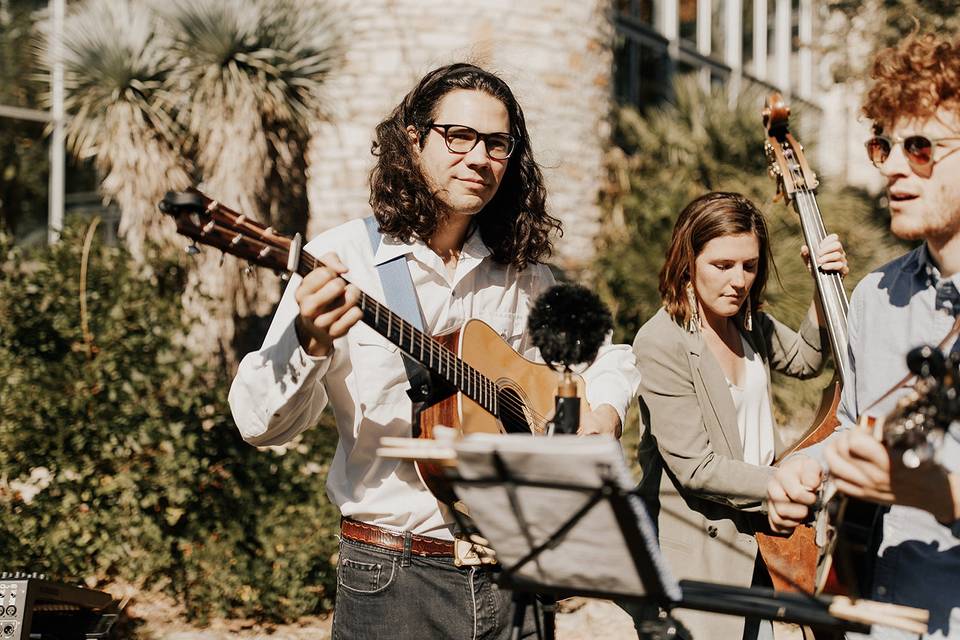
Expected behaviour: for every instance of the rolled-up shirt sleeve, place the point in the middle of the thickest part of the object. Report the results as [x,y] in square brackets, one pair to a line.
[613,378]
[277,392]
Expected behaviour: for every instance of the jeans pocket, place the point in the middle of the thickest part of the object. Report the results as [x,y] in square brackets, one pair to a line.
[365,574]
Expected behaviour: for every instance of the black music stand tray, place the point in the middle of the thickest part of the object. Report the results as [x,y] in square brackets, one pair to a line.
[565,521]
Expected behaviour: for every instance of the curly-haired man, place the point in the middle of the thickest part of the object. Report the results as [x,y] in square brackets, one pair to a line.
[458,197]
[914,103]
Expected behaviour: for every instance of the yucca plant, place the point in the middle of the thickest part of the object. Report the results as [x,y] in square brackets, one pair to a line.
[115,63]
[223,92]
[248,78]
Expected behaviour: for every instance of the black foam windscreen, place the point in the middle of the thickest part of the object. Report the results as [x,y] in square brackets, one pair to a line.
[568,323]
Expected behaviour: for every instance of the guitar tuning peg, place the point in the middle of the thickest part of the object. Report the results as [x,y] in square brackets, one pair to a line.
[192,249]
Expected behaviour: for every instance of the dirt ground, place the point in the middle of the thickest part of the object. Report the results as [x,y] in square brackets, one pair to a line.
[157,618]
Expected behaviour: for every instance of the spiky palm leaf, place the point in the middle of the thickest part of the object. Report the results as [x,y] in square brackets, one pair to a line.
[114,68]
[251,73]
[249,77]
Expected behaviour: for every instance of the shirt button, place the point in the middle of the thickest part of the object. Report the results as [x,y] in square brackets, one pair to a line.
[712,531]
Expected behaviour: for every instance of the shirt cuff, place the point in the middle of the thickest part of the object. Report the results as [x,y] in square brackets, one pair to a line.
[299,361]
[615,394]
[813,334]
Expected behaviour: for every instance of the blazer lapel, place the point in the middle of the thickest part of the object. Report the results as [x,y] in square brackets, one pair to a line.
[718,393]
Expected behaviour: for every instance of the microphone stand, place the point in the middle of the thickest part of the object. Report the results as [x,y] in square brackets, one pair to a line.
[566,421]
[566,417]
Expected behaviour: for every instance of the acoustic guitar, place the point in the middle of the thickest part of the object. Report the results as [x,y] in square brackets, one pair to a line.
[912,431]
[479,383]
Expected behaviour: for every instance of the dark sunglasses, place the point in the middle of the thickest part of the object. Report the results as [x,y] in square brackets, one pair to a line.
[462,139]
[918,149]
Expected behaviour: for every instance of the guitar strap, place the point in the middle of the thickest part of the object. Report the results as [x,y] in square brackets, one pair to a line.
[401,297]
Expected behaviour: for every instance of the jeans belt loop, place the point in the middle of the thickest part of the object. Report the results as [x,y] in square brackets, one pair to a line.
[407,549]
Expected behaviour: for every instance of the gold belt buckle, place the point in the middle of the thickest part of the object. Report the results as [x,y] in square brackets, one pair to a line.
[473,552]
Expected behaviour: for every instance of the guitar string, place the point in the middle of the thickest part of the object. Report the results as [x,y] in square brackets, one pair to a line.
[506,401]
[447,357]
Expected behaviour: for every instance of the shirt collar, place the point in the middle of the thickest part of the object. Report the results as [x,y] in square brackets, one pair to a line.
[920,263]
[391,248]
[474,248]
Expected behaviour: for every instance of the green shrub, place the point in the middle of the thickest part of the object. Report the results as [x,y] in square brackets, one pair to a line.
[119,456]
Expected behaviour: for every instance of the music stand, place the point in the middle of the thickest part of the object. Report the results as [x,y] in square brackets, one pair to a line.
[564,521]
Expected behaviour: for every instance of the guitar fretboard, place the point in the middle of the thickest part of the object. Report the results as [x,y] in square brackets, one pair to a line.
[420,346]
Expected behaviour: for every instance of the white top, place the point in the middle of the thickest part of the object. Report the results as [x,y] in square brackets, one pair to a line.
[754,416]
[280,390]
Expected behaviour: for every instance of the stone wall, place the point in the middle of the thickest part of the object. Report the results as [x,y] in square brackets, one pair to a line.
[554,54]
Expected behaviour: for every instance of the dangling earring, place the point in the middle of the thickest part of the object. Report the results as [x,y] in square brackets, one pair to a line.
[693,324]
[748,317]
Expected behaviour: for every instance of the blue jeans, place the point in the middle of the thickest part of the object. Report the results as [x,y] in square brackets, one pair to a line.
[389,594]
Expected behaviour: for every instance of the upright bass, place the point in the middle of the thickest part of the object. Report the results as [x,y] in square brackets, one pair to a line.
[792,561]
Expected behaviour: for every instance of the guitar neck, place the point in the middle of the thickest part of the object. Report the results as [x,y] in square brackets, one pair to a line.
[419,346]
[211,223]
[829,286]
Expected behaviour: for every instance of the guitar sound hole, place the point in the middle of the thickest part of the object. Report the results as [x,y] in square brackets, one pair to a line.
[511,413]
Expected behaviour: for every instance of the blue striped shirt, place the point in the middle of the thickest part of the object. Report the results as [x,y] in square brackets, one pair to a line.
[904,304]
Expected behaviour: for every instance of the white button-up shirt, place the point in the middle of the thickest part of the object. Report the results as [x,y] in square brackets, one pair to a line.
[280,390]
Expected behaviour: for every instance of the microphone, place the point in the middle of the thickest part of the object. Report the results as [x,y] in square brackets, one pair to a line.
[568,324]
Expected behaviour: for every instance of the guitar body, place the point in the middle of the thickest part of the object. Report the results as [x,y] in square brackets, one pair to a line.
[857,539]
[526,395]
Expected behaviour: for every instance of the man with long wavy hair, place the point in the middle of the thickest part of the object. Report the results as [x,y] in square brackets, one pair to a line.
[457,195]
[914,103]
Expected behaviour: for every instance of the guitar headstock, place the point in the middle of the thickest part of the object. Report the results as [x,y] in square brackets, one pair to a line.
[210,223]
[915,427]
[786,162]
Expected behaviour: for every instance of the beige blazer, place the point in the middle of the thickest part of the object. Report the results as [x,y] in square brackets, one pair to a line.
[706,500]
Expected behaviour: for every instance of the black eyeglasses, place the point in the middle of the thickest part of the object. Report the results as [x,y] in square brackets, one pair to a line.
[462,139]
[917,149]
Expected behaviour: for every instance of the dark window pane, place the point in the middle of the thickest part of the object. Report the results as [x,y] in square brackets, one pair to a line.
[688,20]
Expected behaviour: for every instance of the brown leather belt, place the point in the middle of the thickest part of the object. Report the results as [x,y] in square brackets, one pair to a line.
[386,539]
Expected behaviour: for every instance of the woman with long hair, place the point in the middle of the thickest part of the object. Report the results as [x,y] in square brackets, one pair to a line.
[708,433]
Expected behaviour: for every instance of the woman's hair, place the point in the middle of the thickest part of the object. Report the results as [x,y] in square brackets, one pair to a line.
[913,80]
[514,224]
[710,216]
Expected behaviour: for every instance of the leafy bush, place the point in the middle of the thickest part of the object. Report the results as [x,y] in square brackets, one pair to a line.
[666,157]
[119,456]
